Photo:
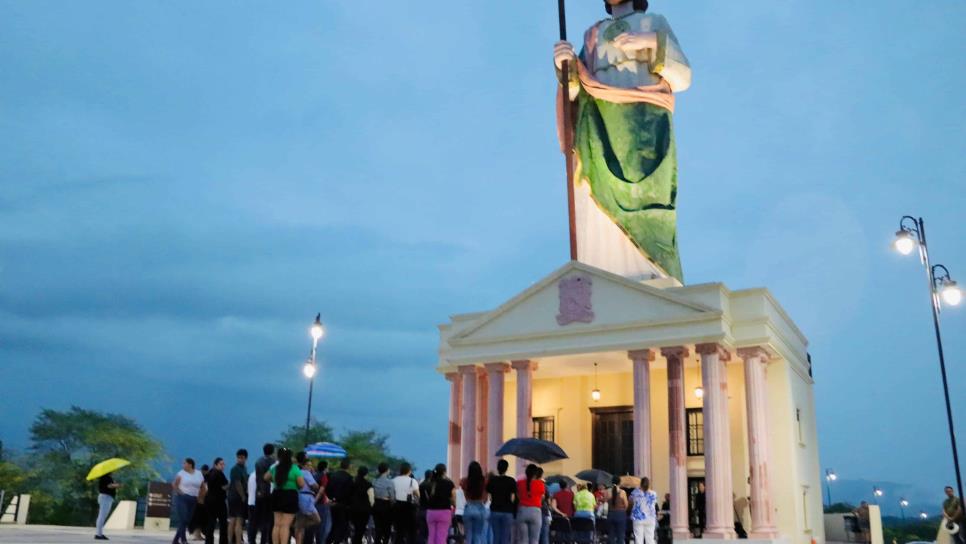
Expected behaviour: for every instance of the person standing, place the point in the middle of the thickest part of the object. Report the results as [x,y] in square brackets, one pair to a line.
[862,516]
[644,512]
[287,479]
[474,515]
[185,487]
[215,502]
[238,497]
[361,499]
[322,503]
[252,492]
[199,520]
[339,491]
[441,496]
[406,491]
[564,500]
[584,503]
[308,517]
[422,527]
[616,513]
[106,491]
[953,512]
[502,490]
[263,490]
[382,491]
[530,495]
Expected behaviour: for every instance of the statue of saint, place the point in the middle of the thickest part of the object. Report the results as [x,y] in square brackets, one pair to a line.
[623,84]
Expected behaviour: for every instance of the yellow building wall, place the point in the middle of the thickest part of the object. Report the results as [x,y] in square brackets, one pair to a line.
[793,461]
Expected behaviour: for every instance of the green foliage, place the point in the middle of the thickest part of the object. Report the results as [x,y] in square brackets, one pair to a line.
[902,531]
[365,448]
[65,445]
[293,437]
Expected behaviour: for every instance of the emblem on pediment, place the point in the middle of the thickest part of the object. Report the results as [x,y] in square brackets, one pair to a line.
[575,300]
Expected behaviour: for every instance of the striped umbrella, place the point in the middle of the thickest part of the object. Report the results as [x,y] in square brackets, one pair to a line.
[325,449]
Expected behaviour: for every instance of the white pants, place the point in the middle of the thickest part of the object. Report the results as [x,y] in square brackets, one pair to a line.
[104,502]
[644,532]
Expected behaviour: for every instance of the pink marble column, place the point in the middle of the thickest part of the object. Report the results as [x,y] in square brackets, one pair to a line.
[468,444]
[678,466]
[524,403]
[494,429]
[641,361]
[482,413]
[455,410]
[756,394]
[717,442]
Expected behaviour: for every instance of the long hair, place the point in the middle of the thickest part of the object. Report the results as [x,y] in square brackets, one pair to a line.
[645,483]
[438,475]
[615,491]
[474,480]
[283,467]
[361,474]
[301,458]
[531,474]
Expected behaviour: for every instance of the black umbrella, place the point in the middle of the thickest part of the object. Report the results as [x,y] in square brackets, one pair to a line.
[595,476]
[532,449]
[560,479]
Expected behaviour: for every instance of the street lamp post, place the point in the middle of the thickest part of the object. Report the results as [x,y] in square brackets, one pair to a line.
[903,503]
[876,493]
[941,288]
[830,477]
[309,370]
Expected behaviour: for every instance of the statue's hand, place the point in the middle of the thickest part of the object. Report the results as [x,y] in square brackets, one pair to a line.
[632,42]
[563,51]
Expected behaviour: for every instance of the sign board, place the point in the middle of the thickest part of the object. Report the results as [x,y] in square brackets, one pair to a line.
[159,500]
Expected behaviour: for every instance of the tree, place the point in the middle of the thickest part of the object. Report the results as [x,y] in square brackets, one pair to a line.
[293,438]
[368,449]
[67,444]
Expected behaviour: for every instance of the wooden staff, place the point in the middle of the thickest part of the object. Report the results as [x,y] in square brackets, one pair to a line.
[568,134]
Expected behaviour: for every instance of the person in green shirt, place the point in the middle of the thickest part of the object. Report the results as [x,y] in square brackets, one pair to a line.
[953,512]
[286,479]
[584,502]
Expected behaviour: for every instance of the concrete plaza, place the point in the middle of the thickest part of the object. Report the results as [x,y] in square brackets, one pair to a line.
[55,535]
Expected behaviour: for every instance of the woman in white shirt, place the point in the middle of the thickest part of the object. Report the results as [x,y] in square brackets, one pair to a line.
[185,488]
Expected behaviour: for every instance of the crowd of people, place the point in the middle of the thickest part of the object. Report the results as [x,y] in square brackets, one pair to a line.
[287,496]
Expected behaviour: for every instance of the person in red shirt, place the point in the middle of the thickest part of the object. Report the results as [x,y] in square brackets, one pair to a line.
[530,492]
[565,500]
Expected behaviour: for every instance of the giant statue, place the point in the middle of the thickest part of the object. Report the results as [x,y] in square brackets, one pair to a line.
[620,132]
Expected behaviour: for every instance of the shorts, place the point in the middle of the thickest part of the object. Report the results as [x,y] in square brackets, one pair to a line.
[285,501]
[237,508]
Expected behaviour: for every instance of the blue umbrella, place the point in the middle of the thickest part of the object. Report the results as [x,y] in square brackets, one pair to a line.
[532,449]
[325,449]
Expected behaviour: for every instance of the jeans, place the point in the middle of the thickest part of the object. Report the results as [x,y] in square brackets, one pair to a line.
[382,520]
[617,527]
[339,513]
[545,530]
[263,518]
[644,532]
[325,525]
[185,507]
[438,522]
[501,523]
[104,502]
[252,524]
[529,522]
[404,521]
[474,520]
[360,523]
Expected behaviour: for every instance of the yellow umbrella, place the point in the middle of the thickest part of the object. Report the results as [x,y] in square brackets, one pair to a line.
[107,467]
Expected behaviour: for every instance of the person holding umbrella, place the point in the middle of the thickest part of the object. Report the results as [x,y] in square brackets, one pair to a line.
[106,490]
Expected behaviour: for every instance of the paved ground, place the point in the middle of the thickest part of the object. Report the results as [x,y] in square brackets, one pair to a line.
[36,534]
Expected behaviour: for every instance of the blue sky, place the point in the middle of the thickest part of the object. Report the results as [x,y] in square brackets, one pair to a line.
[184,185]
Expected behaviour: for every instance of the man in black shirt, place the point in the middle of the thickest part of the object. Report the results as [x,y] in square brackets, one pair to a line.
[106,491]
[339,492]
[215,502]
[502,490]
[263,509]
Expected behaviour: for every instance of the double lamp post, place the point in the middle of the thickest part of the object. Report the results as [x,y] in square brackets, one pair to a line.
[310,369]
[942,288]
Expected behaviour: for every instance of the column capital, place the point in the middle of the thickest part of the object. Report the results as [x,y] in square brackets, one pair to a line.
[467,370]
[714,348]
[675,352]
[754,352]
[524,364]
[497,368]
[646,354]
[451,376]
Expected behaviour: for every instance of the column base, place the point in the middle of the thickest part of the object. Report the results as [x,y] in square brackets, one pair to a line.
[720,534]
[769,534]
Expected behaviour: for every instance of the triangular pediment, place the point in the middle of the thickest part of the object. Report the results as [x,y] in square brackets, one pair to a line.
[579,297]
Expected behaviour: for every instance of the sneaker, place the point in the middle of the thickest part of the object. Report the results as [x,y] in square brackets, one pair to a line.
[100,537]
